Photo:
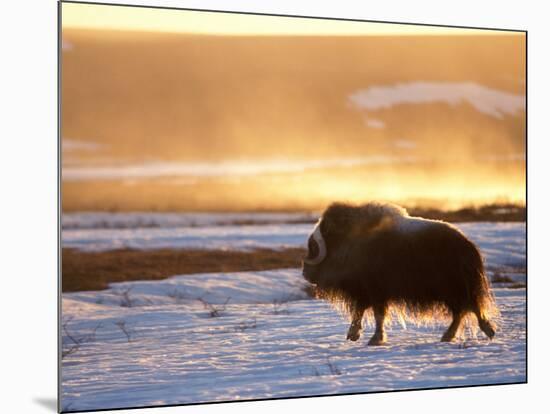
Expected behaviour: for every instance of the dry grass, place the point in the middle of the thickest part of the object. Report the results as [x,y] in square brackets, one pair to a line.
[95,270]
[500,278]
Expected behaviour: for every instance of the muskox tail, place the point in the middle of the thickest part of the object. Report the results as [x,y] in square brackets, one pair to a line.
[484,305]
[484,298]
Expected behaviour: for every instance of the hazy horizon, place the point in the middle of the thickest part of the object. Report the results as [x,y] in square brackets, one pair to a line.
[165,121]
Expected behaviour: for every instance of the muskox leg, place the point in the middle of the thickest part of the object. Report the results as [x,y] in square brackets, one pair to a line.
[379,337]
[485,325]
[354,331]
[450,333]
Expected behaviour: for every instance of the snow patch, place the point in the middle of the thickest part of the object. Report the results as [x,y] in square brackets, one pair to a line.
[215,288]
[492,102]
[70,145]
[404,144]
[375,123]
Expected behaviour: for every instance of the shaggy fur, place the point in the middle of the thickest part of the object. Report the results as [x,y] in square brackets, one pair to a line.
[381,259]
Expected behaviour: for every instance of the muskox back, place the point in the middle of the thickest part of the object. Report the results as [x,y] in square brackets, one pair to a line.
[378,257]
[430,265]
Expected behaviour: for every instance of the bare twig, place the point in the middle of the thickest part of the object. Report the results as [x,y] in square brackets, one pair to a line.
[122,326]
[280,308]
[125,300]
[214,311]
[77,341]
[67,407]
[178,295]
[334,370]
[498,277]
[69,351]
[245,325]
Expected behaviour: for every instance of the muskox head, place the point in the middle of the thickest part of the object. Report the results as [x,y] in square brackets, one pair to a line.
[335,247]
[330,242]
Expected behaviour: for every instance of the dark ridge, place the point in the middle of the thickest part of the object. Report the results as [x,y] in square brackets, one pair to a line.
[490,212]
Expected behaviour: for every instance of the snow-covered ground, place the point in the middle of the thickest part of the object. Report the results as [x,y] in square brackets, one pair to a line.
[269,340]
[245,335]
[503,244]
[105,220]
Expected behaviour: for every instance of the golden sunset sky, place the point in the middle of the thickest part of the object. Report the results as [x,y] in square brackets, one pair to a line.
[91,16]
[174,110]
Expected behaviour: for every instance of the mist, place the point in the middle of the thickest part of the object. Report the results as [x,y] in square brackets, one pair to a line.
[177,122]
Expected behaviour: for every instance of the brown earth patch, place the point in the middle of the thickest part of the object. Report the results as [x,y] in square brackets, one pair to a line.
[95,270]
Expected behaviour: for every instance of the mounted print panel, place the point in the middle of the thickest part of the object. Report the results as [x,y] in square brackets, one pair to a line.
[260,207]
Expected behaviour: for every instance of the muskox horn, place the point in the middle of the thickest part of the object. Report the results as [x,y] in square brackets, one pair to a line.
[318,237]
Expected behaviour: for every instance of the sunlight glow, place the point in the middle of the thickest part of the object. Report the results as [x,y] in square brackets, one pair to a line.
[92,16]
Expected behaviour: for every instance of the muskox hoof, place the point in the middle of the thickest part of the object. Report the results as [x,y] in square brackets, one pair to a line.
[487,328]
[353,336]
[377,340]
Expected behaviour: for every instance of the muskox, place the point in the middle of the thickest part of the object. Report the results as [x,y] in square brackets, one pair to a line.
[375,256]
